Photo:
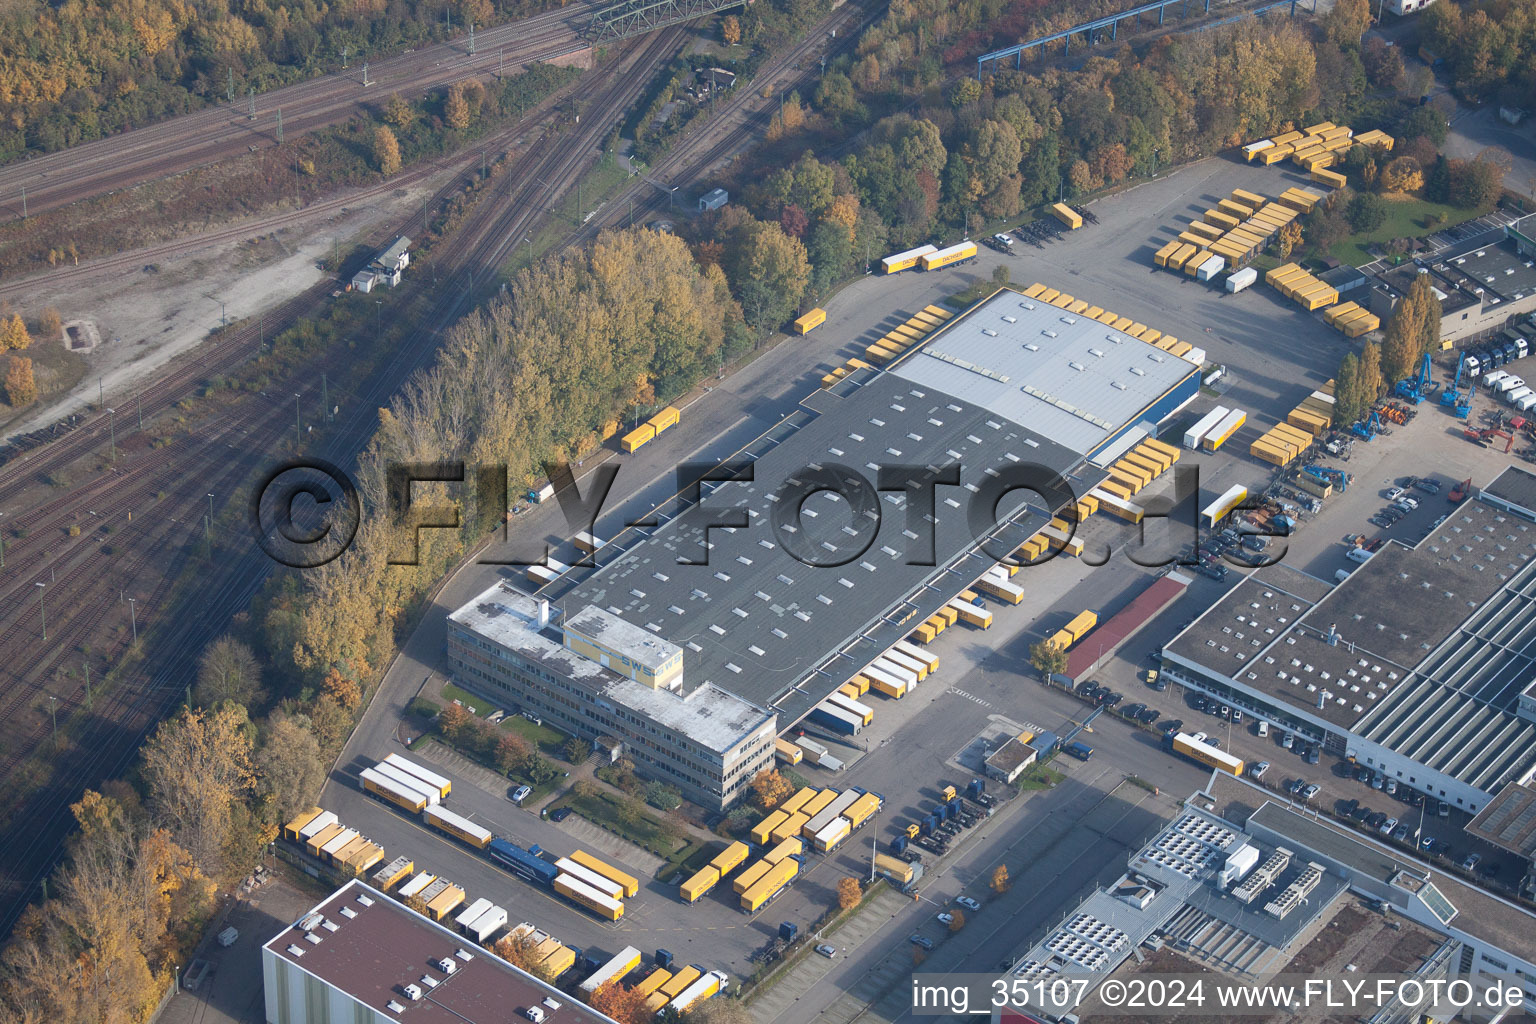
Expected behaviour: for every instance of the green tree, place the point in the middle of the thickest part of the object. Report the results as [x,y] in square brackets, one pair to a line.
[1347,406]
[770,272]
[1367,212]
[963,92]
[290,766]
[1347,21]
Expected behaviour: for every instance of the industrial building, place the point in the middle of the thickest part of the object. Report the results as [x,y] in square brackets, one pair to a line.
[821,565]
[1480,282]
[359,957]
[1419,665]
[1239,880]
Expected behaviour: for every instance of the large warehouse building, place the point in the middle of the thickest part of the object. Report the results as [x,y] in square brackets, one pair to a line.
[1422,664]
[739,631]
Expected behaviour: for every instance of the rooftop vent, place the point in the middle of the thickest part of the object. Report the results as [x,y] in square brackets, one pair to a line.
[412,992]
[446,965]
[989,332]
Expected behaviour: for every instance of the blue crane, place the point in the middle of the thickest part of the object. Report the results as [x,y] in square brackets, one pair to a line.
[1417,387]
[1449,397]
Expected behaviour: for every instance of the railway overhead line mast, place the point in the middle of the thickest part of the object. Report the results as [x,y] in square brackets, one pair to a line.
[636,17]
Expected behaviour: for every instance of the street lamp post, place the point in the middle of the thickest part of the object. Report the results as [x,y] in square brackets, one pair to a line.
[42,611]
[297,435]
[133,618]
[112,427]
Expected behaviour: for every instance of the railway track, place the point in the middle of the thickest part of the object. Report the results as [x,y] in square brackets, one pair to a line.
[215,133]
[106,740]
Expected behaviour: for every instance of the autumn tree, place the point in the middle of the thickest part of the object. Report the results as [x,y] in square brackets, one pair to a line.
[1000,881]
[13,334]
[1289,238]
[1402,175]
[386,150]
[455,721]
[20,386]
[195,766]
[1047,658]
[769,789]
[848,893]
[1412,330]
[228,670]
[399,112]
[1347,21]
[730,30]
[956,919]
[1372,383]
[518,948]
[456,108]
[625,1005]
[290,766]
[51,324]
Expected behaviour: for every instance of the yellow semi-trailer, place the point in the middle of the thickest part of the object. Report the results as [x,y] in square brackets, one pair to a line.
[408,782]
[927,659]
[1224,430]
[705,879]
[417,885]
[1049,295]
[665,419]
[638,438]
[444,903]
[861,809]
[1276,153]
[820,802]
[791,847]
[1003,590]
[1034,290]
[790,826]
[1203,753]
[390,875]
[751,875]
[949,257]
[1233,209]
[584,895]
[764,829]
[392,792]
[1146,465]
[292,829]
[831,836]
[1081,623]
[1244,196]
[1330,178]
[905,260]
[589,877]
[459,827]
[629,882]
[1068,216]
[860,711]
[443,786]
[1221,219]
[788,752]
[770,885]
[797,801]
[680,981]
[653,981]
[730,858]
[1218,510]
[907,662]
[972,615]
[810,321]
[1120,508]
[886,686]
[700,990]
[613,972]
[1288,137]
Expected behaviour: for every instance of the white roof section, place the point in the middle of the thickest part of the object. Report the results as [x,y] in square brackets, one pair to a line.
[1063,375]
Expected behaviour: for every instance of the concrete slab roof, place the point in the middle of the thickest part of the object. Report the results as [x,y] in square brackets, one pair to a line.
[1514,487]
[712,717]
[1065,375]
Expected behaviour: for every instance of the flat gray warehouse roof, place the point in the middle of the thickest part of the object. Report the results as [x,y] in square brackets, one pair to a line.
[1070,377]
[757,620]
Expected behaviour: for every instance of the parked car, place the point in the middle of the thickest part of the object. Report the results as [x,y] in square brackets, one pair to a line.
[946,918]
[1395,493]
[521,793]
[1148,716]
[1375,820]
[1314,754]
[1427,843]
[560,814]
[1172,725]
[1086,687]
[968,903]
[1258,770]
[920,940]
[1111,698]
[1386,827]
[1471,862]
[1132,710]
[1427,486]
[1311,791]
[1442,809]
[827,951]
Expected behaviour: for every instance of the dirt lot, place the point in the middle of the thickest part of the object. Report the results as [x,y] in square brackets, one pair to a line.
[167,305]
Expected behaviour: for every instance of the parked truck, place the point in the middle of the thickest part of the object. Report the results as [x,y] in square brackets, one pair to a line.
[1079,750]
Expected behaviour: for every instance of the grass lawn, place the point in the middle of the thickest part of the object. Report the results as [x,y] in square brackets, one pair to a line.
[1407,217]
[548,740]
[481,705]
[1039,776]
[646,832]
